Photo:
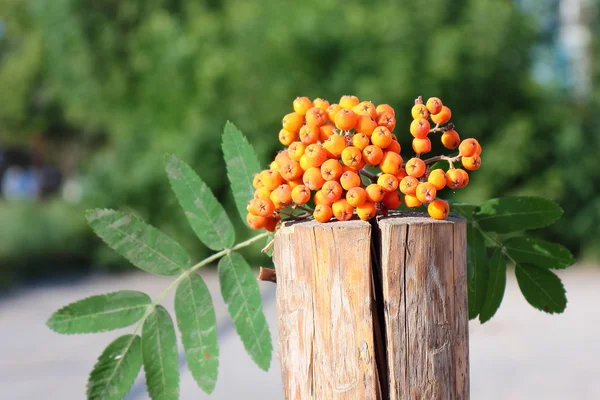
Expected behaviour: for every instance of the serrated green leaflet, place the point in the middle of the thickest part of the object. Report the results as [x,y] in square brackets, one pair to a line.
[143,245]
[515,214]
[159,353]
[197,323]
[100,313]
[541,288]
[539,252]
[240,291]
[116,369]
[495,287]
[202,209]
[477,270]
[242,163]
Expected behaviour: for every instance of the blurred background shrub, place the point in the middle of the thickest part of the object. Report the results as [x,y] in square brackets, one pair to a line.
[94,93]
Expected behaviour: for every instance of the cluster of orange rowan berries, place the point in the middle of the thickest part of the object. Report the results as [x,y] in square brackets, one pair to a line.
[328,149]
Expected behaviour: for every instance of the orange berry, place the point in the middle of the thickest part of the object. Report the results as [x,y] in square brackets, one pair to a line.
[471,163]
[454,178]
[262,207]
[437,178]
[419,128]
[286,137]
[342,210]
[296,150]
[365,108]
[312,178]
[304,163]
[442,117]
[401,174]
[375,193]
[385,108]
[478,151]
[450,139]
[255,221]
[426,192]
[348,101]
[412,201]
[316,155]
[372,154]
[356,196]
[257,181]
[332,110]
[394,146]
[309,134]
[282,197]
[350,179]
[381,137]
[319,198]
[365,124]
[415,167]
[386,119]
[271,179]
[392,200]
[322,213]
[302,105]
[419,111]
[292,122]
[262,193]
[345,119]
[408,185]
[331,170]
[281,157]
[465,178]
[272,223]
[468,147]
[335,144]
[351,156]
[421,146]
[360,141]
[366,211]
[321,103]
[391,163]
[438,209]
[291,170]
[388,182]
[434,105]
[325,131]
[332,191]
[295,182]
[316,117]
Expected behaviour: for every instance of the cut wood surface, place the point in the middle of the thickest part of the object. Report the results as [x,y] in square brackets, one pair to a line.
[373,311]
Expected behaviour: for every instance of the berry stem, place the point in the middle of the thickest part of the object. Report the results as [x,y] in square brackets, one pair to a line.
[295,217]
[307,209]
[440,158]
[370,175]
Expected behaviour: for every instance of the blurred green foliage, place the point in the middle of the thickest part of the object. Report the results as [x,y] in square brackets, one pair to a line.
[152,77]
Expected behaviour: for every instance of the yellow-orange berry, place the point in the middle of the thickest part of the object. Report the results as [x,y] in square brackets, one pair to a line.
[256,222]
[392,200]
[348,101]
[295,182]
[438,209]
[319,198]
[385,108]
[386,119]
[468,147]
[442,117]
[322,213]
[471,163]
[356,196]
[411,201]
[365,124]
[421,146]
[325,132]
[426,192]
[350,179]
[321,103]
[274,165]
[437,178]
[394,146]
[304,163]
[450,139]
[282,197]
[434,105]
[352,157]
[331,170]
[391,163]
[262,193]
[315,154]
[332,191]
[345,119]
[335,144]
[360,141]
[366,211]
[375,193]
[312,178]
[419,128]
[316,117]
[296,150]
[342,210]
[281,157]
[309,134]
[388,182]
[415,167]
[302,105]
[365,108]
[381,137]
[408,185]
[257,181]
[419,111]
[454,178]
[262,207]
[291,170]
[372,154]
[271,179]
[286,137]
[292,122]
[332,110]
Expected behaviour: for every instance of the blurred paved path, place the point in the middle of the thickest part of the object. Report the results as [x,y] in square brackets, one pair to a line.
[520,354]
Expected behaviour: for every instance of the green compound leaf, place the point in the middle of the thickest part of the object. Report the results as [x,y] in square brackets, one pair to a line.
[100,313]
[466,210]
[205,214]
[242,163]
[495,287]
[143,245]
[197,323]
[539,252]
[116,369]
[515,214]
[541,288]
[159,352]
[477,270]
[240,291]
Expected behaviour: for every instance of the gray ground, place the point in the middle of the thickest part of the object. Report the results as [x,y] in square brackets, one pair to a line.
[520,354]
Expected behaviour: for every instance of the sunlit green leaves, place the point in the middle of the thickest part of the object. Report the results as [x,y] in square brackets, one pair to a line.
[541,288]
[100,313]
[204,212]
[477,270]
[143,245]
[240,291]
[116,369]
[515,214]
[539,252]
[197,323]
[495,287]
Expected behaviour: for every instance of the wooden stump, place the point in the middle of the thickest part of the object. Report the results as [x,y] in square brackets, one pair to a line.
[373,311]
